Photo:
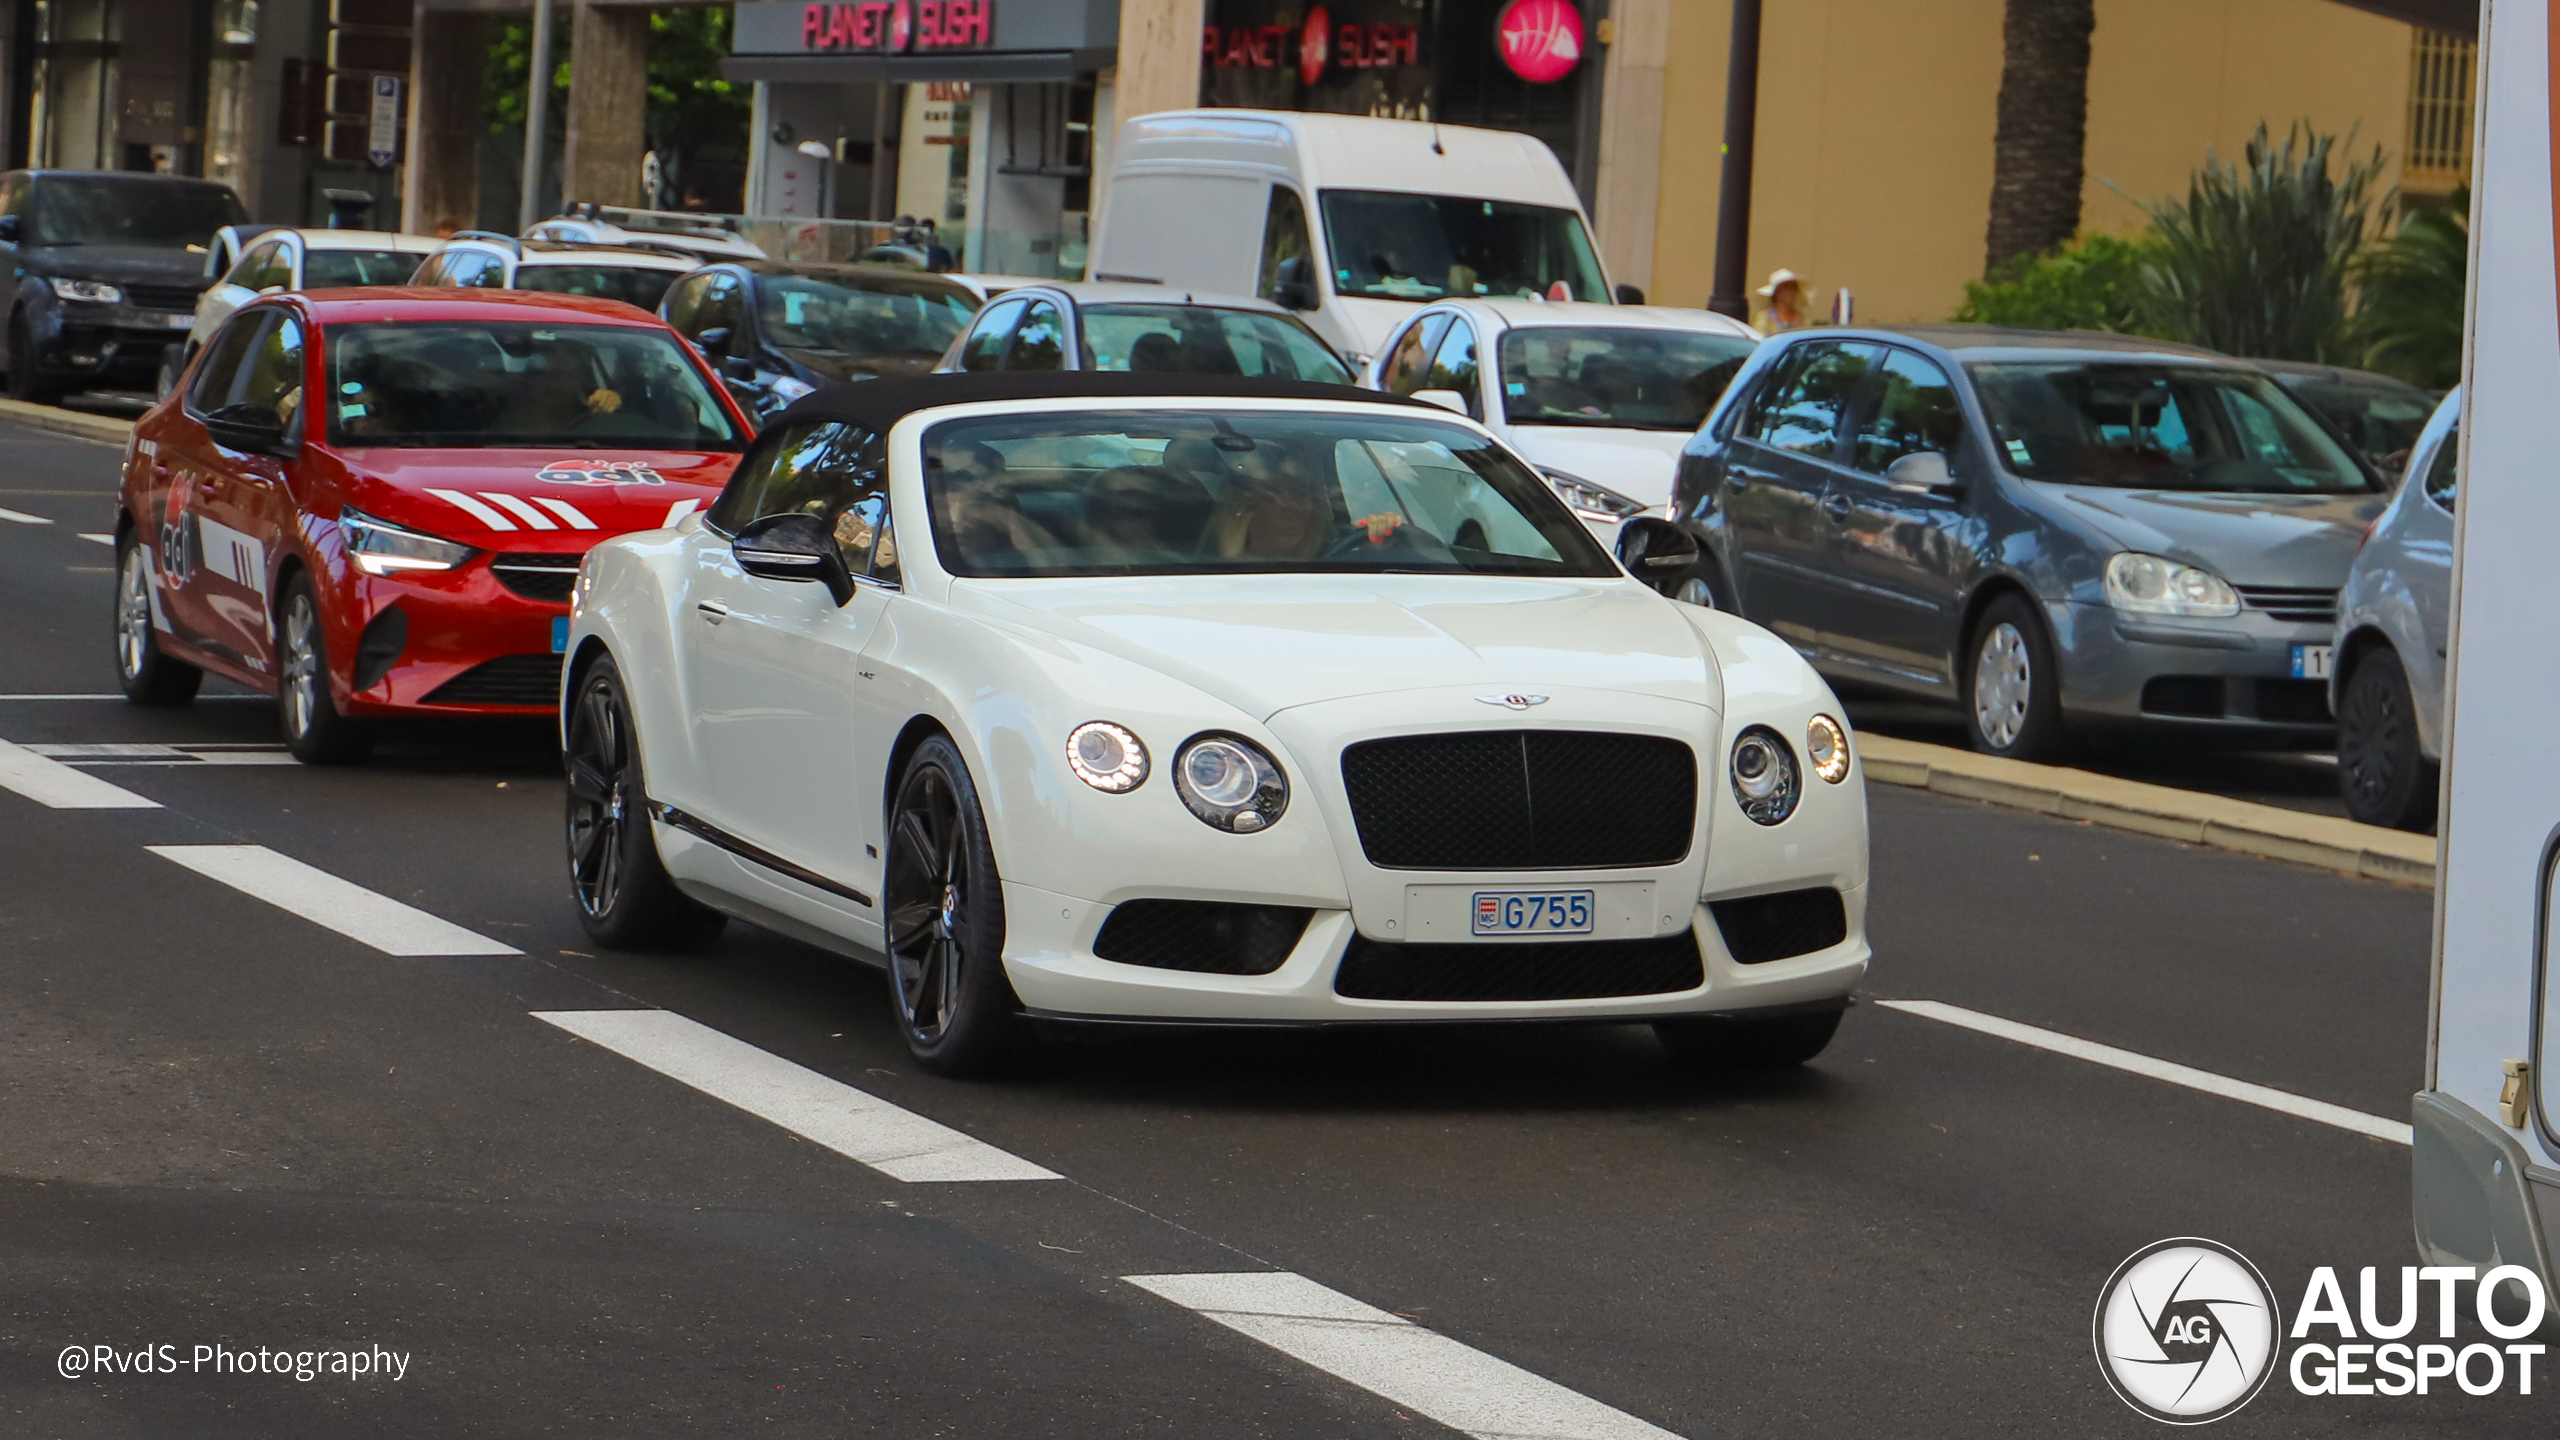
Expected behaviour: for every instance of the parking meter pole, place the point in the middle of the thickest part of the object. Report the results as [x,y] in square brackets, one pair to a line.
[537,116]
[1733,211]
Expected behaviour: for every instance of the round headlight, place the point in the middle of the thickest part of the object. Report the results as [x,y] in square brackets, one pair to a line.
[1230,782]
[1107,757]
[1827,746]
[1764,776]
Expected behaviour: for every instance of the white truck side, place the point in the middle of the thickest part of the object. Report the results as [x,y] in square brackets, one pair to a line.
[1378,216]
[2486,1149]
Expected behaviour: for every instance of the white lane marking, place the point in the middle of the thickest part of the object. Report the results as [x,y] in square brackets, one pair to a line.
[678,511]
[2266,1097]
[325,900]
[898,1143]
[23,518]
[576,517]
[101,539]
[270,699]
[519,509]
[49,782]
[141,753]
[1421,1370]
[474,509]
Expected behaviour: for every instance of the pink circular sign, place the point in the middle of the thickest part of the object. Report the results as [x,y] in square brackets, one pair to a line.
[1315,45]
[1540,40]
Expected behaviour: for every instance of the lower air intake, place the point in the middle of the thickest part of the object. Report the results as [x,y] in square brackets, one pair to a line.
[1530,970]
[1761,928]
[507,680]
[1206,936]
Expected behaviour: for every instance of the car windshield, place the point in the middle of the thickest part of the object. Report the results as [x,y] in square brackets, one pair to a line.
[1204,340]
[114,210]
[1388,245]
[627,283]
[340,269]
[1196,492]
[897,315]
[2140,426]
[2381,421]
[1627,378]
[530,384]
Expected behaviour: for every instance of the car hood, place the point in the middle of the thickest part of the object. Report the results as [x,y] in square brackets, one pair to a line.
[480,497]
[836,365]
[1266,643]
[116,264]
[2305,540]
[1639,464]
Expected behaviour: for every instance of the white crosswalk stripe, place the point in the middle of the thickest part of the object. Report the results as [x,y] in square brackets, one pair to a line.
[323,899]
[23,518]
[49,782]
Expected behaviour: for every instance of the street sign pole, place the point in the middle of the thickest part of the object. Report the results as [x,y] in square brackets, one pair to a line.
[537,115]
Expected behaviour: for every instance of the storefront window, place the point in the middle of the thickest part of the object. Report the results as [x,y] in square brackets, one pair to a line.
[226,129]
[1391,246]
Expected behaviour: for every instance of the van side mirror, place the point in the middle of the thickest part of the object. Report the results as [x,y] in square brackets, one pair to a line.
[1630,295]
[1295,286]
[794,547]
[249,429]
[1655,550]
[10,226]
[1922,472]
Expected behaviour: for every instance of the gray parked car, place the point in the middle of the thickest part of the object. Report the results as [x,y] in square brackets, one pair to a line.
[2392,620]
[2054,531]
[2379,416]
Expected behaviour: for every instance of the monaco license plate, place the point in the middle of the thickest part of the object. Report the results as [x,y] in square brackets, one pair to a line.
[179,322]
[2311,662]
[1533,912]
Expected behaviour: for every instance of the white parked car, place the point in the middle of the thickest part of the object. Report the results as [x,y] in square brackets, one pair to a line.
[274,260]
[1599,397]
[1175,699]
[481,259]
[706,240]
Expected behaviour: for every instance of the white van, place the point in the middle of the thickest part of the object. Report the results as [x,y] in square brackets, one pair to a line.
[1352,220]
[2487,1127]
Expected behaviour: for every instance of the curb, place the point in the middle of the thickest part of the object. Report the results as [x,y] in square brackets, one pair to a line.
[102,429]
[2269,830]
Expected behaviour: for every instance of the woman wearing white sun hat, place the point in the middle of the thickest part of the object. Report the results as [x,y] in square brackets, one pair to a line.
[1785,310]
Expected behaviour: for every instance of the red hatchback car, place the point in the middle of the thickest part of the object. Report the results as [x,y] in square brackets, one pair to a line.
[374,502]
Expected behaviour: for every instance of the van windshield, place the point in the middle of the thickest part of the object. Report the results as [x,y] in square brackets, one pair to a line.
[1388,245]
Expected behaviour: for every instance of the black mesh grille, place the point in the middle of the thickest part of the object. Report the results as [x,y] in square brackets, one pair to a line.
[507,680]
[1536,970]
[1522,800]
[537,577]
[161,297]
[1204,935]
[2290,602]
[2294,702]
[1761,928]
[2194,697]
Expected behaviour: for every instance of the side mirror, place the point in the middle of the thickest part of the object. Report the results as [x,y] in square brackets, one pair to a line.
[1922,472]
[738,368]
[713,341]
[1445,399]
[794,547]
[1655,550]
[10,226]
[1630,295]
[250,429]
[1296,285]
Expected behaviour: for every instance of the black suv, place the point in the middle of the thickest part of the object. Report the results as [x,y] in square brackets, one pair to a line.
[776,331]
[107,269]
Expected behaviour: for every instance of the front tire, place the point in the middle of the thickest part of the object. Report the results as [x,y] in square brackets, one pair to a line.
[1729,1044]
[27,381]
[148,676]
[626,900]
[2383,776]
[313,729]
[1701,585]
[945,909]
[2013,688]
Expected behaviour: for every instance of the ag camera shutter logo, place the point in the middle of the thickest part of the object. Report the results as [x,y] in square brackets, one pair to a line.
[2186,1331]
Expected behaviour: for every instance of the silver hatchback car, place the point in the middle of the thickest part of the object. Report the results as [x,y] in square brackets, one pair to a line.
[2392,620]
[2057,532]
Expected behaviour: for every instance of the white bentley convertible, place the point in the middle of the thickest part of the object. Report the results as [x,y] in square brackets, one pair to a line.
[1169,699]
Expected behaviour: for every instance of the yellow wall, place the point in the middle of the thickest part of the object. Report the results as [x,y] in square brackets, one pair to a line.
[1876,122]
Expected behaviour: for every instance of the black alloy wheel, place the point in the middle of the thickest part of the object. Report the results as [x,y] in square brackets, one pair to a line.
[148,677]
[2382,774]
[1744,1042]
[313,729]
[626,900]
[945,913]
[2012,686]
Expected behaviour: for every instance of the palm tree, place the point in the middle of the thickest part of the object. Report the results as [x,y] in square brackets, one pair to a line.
[2044,124]
[2409,295]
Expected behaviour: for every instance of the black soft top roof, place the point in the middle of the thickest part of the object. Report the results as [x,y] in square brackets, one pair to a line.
[879,404]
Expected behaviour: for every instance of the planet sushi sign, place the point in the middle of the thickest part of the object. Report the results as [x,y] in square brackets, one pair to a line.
[1539,40]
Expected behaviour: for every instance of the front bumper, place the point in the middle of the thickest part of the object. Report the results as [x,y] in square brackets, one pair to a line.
[111,342]
[2233,675]
[452,642]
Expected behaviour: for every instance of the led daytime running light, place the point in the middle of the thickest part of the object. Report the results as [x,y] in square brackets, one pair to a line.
[1108,757]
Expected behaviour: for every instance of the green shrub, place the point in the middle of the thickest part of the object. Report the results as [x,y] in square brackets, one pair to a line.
[2409,296]
[2256,260]
[2093,283]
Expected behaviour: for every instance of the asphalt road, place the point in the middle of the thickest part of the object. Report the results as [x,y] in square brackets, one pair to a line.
[226,1124]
